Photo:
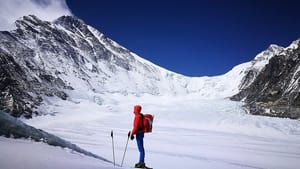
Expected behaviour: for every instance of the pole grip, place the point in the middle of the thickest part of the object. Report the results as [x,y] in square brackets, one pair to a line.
[113,146]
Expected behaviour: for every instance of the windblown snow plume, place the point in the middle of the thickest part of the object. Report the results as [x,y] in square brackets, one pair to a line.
[11,10]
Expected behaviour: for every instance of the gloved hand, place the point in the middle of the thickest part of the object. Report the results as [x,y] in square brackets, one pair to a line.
[131,137]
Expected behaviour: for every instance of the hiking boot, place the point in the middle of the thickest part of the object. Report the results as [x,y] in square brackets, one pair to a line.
[140,165]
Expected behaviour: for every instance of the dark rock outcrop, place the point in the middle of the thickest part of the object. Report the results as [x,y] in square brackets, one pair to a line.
[13,88]
[275,90]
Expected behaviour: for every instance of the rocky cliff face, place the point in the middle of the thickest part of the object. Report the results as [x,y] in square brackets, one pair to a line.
[275,90]
[27,71]
[21,93]
[257,64]
[13,85]
[24,80]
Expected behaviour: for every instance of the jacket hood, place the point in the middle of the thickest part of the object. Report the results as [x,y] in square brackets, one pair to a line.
[137,109]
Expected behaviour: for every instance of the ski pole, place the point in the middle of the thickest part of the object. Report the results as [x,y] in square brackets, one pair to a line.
[113,147]
[125,148]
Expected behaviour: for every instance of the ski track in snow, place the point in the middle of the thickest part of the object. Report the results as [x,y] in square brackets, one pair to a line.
[187,133]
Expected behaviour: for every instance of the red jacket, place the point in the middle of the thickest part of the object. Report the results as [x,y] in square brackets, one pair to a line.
[138,121]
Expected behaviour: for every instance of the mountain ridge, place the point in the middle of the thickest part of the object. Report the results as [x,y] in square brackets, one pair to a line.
[67,58]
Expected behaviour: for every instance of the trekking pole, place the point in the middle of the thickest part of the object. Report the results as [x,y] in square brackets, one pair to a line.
[113,147]
[125,148]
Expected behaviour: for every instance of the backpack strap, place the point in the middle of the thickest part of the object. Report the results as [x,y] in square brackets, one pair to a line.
[141,128]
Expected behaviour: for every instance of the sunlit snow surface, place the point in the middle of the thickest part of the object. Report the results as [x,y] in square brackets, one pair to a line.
[187,133]
[27,154]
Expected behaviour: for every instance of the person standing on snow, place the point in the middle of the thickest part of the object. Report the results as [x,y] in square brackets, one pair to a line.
[139,132]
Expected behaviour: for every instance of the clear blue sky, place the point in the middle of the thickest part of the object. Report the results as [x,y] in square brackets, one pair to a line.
[194,37]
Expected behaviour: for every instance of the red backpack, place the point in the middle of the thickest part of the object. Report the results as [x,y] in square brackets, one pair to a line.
[147,122]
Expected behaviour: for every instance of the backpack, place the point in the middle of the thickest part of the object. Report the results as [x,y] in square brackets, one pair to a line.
[147,122]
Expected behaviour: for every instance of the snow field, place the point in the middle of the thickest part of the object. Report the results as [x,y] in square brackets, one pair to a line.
[26,154]
[187,132]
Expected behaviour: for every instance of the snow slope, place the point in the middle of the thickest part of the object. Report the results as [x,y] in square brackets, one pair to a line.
[26,154]
[188,132]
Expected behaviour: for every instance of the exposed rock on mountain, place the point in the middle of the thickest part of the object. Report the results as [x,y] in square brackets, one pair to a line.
[13,85]
[258,64]
[275,90]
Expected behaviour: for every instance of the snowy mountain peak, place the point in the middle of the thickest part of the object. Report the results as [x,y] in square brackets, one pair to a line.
[69,20]
[29,18]
[72,24]
[267,54]
[253,68]
[294,45]
[29,22]
[275,48]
